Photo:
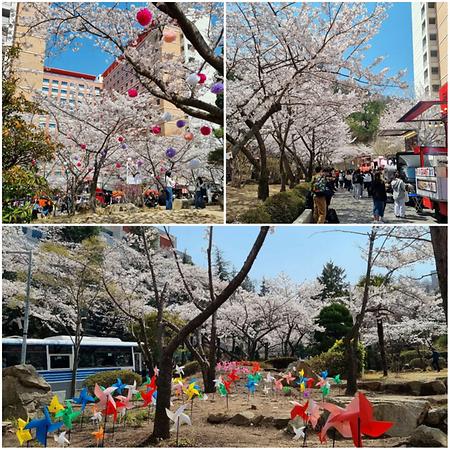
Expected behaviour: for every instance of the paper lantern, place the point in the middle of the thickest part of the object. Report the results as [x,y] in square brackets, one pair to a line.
[171,152]
[202,77]
[169,36]
[83,146]
[139,162]
[78,164]
[132,93]
[194,164]
[120,138]
[166,117]
[103,152]
[118,165]
[144,17]
[124,146]
[217,88]
[156,129]
[192,79]
[33,162]
[181,123]
[205,130]
[162,169]
[188,136]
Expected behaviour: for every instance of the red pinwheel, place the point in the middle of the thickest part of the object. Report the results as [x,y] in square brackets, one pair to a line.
[255,366]
[111,408]
[152,385]
[310,383]
[299,410]
[227,385]
[233,376]
[147,396]
[359,414]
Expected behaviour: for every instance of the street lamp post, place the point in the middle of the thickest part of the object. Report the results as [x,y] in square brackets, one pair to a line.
[23,356]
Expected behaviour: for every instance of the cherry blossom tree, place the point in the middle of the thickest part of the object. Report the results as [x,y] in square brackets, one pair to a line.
[116,31]
[277,52]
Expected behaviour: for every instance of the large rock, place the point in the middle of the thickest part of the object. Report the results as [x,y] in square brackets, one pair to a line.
[424,436]
[24,392]
[437,418]
[218,418]
[298,366]
[243,419]
[407,415]
[435,387]
[120,207]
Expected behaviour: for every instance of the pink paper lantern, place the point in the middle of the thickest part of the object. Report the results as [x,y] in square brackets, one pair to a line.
[78,164]
[169,36]
[188,136]
[132,93]
[144,17]
[205,130]
[202,77]
[83,146]
[118,165]
[120,138]
[156,129]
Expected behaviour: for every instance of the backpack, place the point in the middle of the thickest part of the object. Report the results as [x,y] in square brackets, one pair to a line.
[319,186]
[332,216]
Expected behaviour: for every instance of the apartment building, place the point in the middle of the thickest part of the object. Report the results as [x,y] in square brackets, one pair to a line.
[442,27]
[427,57]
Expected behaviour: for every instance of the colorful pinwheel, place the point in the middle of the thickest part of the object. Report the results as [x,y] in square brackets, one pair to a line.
[67,415]
[22,434]
[83,399]
[43,426]
[55,406]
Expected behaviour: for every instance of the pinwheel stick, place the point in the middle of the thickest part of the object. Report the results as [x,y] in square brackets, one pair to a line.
[104,429]
[113,428]
[81,420]
[304,435]
[178,429]
[148,414]
[227,399]
[46,432]
[334,437]
[359,433]
[192,406]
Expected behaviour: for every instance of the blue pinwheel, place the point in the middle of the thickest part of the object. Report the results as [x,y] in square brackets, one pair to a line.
[251,386]
[43,426]
[324,374]
[119,386]
[83,399]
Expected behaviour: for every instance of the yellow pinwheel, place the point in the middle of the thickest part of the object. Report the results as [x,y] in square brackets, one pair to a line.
[22,435]
[301,373]
[302,387]
[191,391]
[178,380]
[55,406]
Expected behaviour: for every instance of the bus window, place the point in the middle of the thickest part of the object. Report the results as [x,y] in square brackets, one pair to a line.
[36,356]
[59,361]
[123,357]
[107,356]
[86,358]
[10,355]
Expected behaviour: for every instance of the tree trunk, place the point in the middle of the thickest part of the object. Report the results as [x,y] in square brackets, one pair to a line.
[263,183]
[73,381]
[212,357]
[93,190]
[161,428]
[282,173]
[439,242]
[352,367]
[380,331]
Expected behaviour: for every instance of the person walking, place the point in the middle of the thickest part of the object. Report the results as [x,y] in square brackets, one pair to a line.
[435,360]
[348,180]
[341,179]
[368,183]
[379,198]
[169,184]
[318,189]
[357,181]
[400,195]
[199,187]
[35,210]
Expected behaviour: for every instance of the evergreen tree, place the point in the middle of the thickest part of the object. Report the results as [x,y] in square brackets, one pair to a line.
[222,266]
[333,281]
[263,289]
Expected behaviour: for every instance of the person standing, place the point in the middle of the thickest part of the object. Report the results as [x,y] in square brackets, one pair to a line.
[400,195]
[169,184]
[357,181]
[199,187]
[318,189]
[341,179]
[435,360]
[368,183]
[348,180]
[379,198]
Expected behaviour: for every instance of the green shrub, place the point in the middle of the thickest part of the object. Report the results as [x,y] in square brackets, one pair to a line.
[302,189]
[418,363]
[191,367]
[334,360]
[406,356]
[108,378]
[284,207]
[280,362]
[255,215]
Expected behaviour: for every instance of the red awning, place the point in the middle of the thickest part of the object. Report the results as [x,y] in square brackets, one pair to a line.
[419,109]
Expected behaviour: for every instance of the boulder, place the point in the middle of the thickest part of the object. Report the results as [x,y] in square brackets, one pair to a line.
[435,387]
[294,423]
[267,422]
[243,419]
[297,366]
[121,207]
[415,387]
[436,417]
[280,423]
[370,385]
[218,418]
[24,392]
[424,436]
[407,415]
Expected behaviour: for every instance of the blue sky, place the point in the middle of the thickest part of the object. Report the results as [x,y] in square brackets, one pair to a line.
[394,42]
[300,252]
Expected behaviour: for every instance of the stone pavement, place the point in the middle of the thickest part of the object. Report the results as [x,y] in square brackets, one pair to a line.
[350,210]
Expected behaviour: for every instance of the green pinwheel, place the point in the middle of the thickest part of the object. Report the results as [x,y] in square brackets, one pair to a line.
[222,390]
[257,377]
[68,415]
[337,379]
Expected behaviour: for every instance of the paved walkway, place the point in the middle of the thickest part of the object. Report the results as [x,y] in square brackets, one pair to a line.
[350,210]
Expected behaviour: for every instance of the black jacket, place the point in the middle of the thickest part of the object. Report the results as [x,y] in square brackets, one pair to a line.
[379,191]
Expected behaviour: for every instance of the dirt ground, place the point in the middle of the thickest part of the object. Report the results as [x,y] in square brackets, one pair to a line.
[211,214]
[429,375]
[240,200]
[204,434]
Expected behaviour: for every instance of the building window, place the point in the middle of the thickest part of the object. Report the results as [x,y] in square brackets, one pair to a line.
[45,89]
[423,26]
[45,80]
[425,74]
[423,10]
[432,20]
[63,102]
[435,70]
[432,36]
[80,94]
[427,90]
[63,91]
[431,5]
[52,126]
[81,87]
[435,88]
[433,53]
[424,42]
[97,91]
[55,91]
[63,83]
[424,58]
[55,82]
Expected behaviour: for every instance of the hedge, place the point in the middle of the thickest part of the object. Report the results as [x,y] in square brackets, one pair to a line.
[283,207]
[108,378]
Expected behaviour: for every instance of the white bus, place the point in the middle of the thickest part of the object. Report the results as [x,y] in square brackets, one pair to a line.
[52,357]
